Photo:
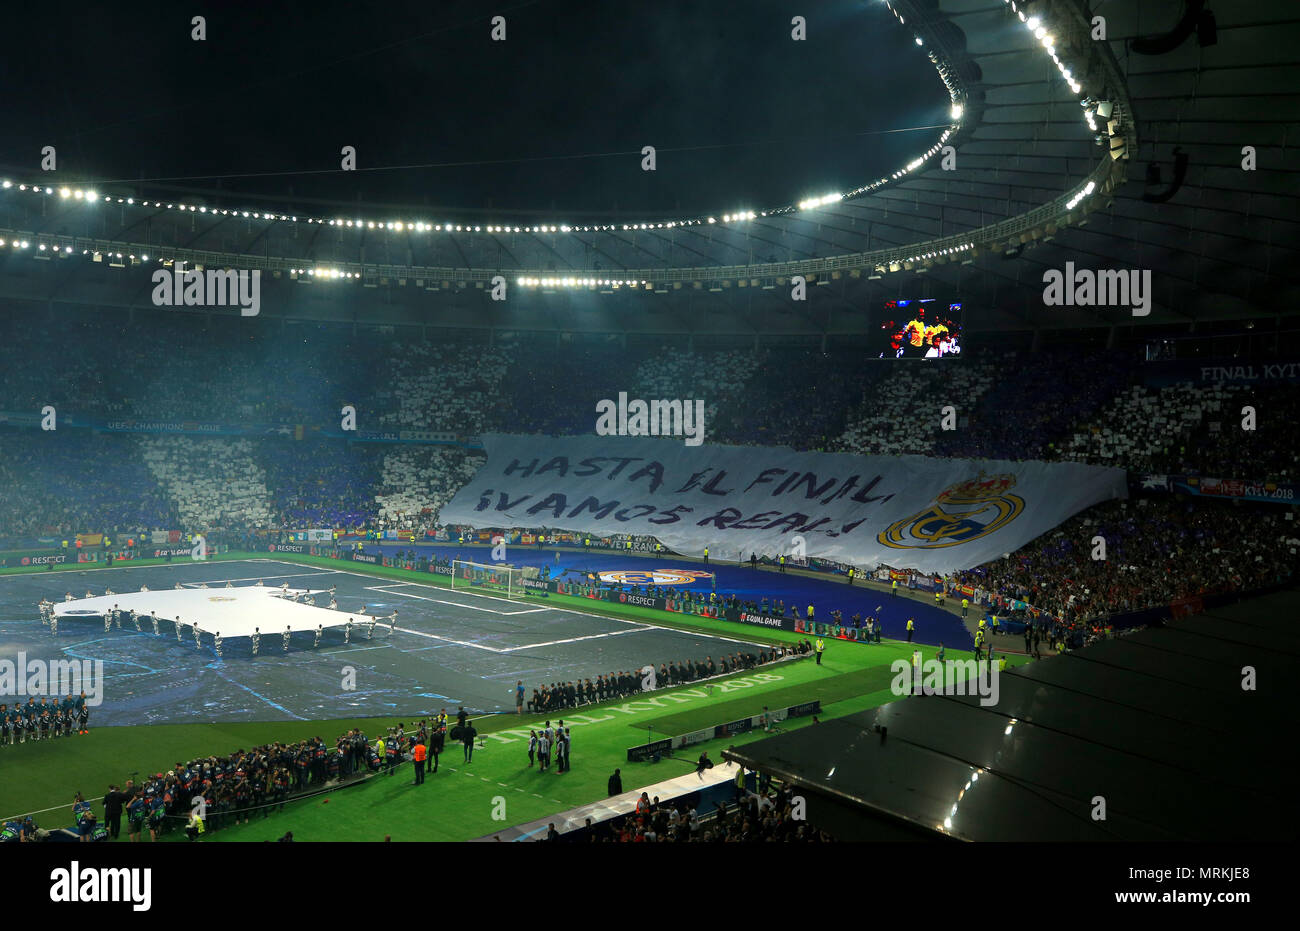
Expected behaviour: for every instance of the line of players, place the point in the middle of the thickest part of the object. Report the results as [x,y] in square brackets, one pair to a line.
[560,695]
[43,721]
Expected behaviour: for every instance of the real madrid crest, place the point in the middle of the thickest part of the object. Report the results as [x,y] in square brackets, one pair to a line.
[653,576]
[960,513]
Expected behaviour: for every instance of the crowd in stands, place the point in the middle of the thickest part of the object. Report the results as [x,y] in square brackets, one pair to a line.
[902,414]
[552,388]
[84,382]
[170,368]
[716,377]
[416,481]
[805,407]
[1034,402]
[428,386]
[320,483]
[1158,550]
[1017,405]
[1221,446]
[1054,404]
[1145,429]
[1197,430]
[215,482]
[61,482]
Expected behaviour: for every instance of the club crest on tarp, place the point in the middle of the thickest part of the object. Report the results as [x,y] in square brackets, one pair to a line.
[959,514]
[653,576]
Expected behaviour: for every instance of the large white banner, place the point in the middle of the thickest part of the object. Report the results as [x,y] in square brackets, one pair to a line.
[937,515]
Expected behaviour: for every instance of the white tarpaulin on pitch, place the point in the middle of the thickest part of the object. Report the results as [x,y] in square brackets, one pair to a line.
[231,612]
[936,515]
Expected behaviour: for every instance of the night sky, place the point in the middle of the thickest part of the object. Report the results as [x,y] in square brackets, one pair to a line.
[756,119]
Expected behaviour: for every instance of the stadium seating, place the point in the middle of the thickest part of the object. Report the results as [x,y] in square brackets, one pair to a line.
[713,377]
[1139,428]
[1194,429]
[903,415]
[319,483]
[794,397]
[213,482]
[1055,404]
[1035,400]
[1155,554]
[59,483]
[443,388]
[415,482]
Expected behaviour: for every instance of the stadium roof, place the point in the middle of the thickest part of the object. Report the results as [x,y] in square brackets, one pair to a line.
[1221,242]
[1156,723]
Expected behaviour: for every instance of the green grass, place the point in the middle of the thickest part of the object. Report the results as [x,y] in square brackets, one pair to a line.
[458,802]
[36,775]
[836,688]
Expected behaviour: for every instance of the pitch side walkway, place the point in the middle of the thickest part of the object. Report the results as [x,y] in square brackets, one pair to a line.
[615,806]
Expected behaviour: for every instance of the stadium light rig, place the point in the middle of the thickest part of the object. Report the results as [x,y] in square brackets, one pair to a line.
[946,73]
[956,113]
[1047,40]
[1083,192]
[603,283]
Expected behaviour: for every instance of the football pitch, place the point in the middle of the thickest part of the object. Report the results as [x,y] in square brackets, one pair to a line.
[462,801]
[170,701]
[446,648]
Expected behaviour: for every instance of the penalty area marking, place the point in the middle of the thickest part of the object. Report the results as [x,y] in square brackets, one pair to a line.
[386,590]
[604,617]
[551,643]
[259,578]
[527,646]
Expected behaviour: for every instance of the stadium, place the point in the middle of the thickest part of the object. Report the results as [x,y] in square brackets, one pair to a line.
[570,423]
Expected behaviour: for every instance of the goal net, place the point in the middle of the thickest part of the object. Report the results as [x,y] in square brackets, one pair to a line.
[489,577]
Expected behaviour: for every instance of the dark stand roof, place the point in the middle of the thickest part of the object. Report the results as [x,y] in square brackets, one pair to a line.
[1157,723]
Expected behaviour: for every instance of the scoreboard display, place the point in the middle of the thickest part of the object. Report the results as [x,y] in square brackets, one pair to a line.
[919,329]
